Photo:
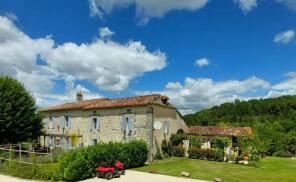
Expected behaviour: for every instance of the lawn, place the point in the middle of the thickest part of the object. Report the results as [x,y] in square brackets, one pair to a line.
[270,169]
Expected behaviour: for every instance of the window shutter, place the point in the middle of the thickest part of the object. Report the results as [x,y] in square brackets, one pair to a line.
[48,140]
[123,123]
[168,127]
[130,124]
[90,125]
[62,119]
[69,122]
[98,123]
[48,122]
[163,126]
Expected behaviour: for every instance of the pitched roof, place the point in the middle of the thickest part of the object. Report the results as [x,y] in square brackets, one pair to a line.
[219,131]
[103,103]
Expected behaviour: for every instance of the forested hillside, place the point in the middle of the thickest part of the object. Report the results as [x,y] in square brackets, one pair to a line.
[273,121]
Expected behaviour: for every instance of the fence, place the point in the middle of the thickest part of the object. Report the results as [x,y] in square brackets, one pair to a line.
[26,158]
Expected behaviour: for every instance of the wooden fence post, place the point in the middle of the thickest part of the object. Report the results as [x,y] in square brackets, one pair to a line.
[34,161]
[20,152]
[10,155]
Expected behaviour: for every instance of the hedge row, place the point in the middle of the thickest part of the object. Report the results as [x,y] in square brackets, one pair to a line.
[205,154]
[81,163]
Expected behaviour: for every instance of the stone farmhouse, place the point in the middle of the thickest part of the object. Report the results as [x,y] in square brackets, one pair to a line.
[87,122]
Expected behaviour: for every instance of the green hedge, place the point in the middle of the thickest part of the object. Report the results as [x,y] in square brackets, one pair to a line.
[81,163]
[205,154]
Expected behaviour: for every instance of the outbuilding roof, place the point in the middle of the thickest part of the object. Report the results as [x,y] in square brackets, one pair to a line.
[219,131]
[103,103]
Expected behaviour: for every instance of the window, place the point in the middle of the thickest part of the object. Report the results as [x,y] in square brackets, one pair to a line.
[127,123]
[50,122]
[127,126]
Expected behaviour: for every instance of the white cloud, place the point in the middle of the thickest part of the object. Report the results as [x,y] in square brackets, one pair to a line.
[284,37]
[286,87]
[290,4]
[199,93]
[202,62]
[107,64]
[145,9]
[105,32]
[246,5]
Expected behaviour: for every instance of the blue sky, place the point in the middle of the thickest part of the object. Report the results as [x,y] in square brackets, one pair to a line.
[198,52]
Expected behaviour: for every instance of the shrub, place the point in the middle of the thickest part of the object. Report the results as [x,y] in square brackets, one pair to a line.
[80,164]
[283,153]
[167,148]
[221,142]
[195,141]
[208,154]
[178,151]
[177,139]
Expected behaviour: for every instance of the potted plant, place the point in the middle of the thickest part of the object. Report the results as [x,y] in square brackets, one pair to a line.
[246,156]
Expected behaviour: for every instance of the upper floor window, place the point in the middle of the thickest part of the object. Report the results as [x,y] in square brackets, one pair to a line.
[127,123]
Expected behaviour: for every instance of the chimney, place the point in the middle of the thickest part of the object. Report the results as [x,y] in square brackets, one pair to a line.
[79,97]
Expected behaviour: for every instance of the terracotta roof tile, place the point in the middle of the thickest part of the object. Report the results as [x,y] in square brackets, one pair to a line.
[112,103]
[219,131]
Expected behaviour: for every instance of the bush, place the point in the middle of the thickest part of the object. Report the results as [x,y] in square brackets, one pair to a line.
[80,164]
[178,151]
[221,142]
[177,139]
[167,148]
[283,153]
[195,141]
[205,154]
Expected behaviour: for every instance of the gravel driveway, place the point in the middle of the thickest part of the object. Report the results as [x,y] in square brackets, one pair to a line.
[135,176]
[131,176]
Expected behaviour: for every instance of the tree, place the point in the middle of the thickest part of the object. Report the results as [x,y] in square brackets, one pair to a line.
[19,118]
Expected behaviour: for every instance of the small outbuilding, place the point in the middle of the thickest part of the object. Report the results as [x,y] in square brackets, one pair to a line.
[210,132]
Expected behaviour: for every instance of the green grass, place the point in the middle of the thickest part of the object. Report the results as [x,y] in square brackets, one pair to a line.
[270,169]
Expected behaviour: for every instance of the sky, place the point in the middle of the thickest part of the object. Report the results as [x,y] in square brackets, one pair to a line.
[199,53]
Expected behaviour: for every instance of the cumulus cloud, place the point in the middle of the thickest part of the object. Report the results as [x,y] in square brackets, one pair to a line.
[107,64]
[202,62]
[246,5]
[195,94]
[286,87]
[105,32]
[290,4]
[145,9]
[284,37]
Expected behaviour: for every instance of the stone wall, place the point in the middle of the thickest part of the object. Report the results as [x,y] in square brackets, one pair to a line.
[110,125]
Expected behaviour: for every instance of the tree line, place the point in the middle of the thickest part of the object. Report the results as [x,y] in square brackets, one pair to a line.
[273,121]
